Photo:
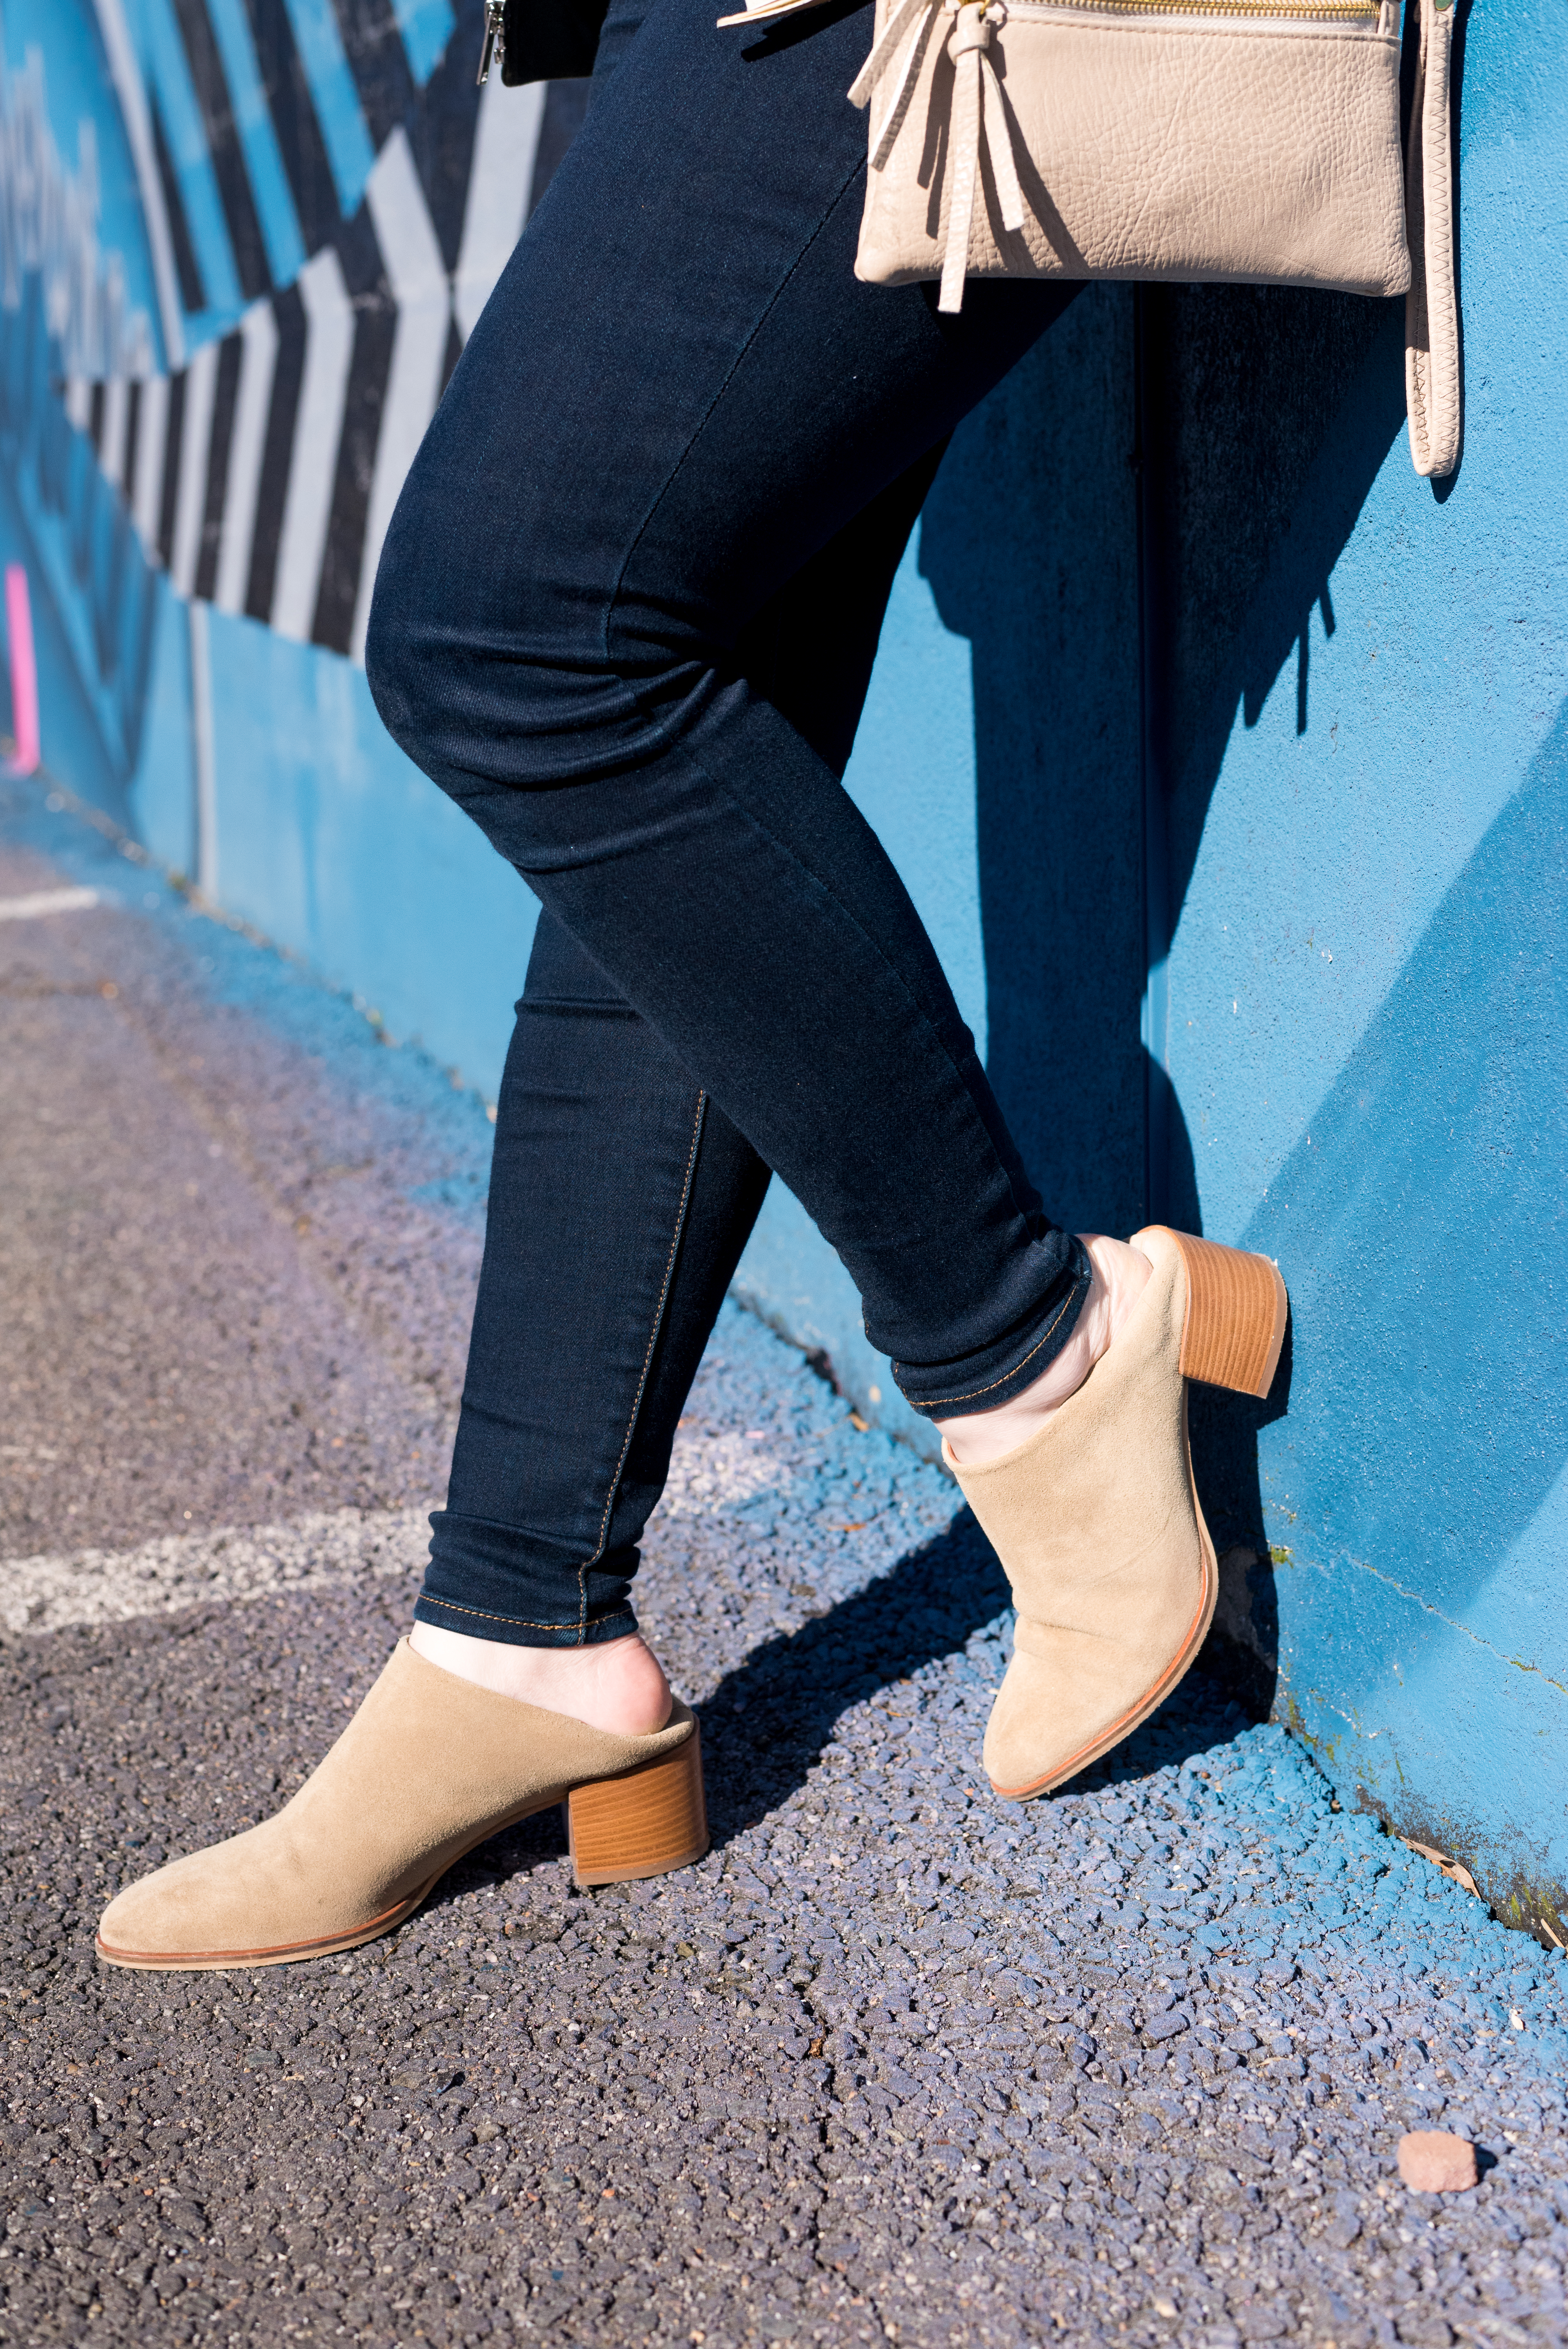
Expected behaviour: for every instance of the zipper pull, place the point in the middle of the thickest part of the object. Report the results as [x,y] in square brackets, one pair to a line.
[494,51]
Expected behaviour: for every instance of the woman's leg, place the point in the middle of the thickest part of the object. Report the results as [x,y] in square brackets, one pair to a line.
[678,397]
[620,1200]
[677,400]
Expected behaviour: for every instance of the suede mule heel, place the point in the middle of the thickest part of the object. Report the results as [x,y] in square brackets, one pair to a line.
[1096,1518]
[430,1766]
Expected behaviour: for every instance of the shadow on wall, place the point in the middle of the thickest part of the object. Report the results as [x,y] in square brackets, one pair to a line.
[1277,411]
[1435,1197]
[1133,533]
[1029,541]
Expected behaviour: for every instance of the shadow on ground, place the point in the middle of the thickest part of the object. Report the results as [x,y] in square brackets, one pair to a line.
[766,1722]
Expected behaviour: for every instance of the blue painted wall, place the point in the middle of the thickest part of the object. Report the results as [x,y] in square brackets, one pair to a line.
[1226,760]
[330,841]
[1365,1018]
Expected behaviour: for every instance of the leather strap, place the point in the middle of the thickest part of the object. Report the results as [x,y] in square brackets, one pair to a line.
[1431,306]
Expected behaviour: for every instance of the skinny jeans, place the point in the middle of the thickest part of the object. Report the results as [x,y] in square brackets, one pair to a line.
[626,617]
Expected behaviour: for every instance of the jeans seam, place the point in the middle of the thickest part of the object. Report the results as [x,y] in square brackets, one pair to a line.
[643,1378]
[488,1615]
[693,436]
[793,856]
[935,1403]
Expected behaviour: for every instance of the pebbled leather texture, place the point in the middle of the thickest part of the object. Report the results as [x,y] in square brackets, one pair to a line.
[1198,150]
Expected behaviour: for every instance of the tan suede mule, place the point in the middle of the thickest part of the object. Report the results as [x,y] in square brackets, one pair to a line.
[1096,1518]
[430,1766]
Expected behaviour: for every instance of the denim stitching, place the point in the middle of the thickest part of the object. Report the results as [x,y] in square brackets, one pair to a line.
[936,1402]
[525,1621]
[643,1380]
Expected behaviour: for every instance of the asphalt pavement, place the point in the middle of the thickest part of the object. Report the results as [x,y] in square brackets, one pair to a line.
[896,2062]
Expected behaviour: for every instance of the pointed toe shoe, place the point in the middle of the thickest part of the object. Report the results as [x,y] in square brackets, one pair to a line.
[1097,1522]
[430,1766]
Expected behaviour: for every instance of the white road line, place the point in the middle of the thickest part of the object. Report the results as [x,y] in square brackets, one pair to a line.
[710,1476]
[46,900]
[180,1570]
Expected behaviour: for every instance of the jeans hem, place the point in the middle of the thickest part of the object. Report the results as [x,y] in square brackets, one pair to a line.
[985,1389]
[517,1632]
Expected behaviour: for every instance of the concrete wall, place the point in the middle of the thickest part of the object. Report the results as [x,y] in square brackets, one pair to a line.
[1225,759]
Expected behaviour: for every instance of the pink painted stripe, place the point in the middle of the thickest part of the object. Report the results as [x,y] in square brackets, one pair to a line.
[24,671]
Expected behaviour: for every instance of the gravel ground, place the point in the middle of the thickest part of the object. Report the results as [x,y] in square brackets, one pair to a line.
[896,2062]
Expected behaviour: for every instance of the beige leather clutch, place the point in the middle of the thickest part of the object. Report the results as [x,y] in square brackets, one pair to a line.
[1197,141]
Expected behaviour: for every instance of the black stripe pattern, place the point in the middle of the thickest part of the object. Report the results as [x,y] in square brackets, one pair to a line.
[291,488]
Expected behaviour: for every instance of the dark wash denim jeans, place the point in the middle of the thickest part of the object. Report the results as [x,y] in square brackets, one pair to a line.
[626,616]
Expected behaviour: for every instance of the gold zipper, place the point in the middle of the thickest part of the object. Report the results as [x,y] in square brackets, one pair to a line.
[1383,12]
[1334,10]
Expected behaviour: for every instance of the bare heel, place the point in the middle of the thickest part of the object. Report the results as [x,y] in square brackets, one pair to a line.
[1236,1308]
[644,1824]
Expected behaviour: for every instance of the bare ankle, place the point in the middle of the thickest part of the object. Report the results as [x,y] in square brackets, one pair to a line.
[617,1685]
[1121,1274]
